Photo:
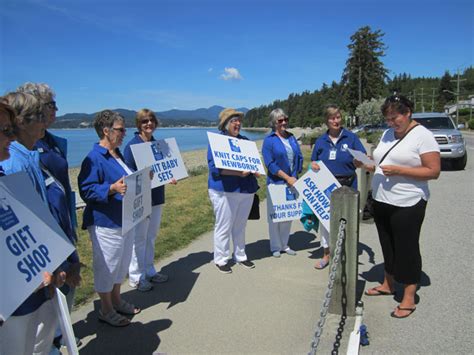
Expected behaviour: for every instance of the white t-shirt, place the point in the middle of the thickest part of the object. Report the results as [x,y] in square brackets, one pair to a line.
[289,150]
[400,190]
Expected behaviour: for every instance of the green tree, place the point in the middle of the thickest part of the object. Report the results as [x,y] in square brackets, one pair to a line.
[369,111]
[444,96]
[364,69]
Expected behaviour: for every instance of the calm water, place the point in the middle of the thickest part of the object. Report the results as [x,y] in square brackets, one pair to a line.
[80,141]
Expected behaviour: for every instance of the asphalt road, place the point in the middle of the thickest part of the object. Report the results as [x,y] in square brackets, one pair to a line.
[273,308]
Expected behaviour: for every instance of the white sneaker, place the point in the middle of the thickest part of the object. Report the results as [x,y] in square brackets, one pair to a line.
[142,285]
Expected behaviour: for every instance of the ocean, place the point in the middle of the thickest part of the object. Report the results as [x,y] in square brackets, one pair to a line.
[80,141]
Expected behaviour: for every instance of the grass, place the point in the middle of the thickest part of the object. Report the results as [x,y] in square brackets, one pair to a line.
[187,214]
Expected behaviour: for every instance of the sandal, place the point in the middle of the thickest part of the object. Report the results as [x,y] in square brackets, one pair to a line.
[375,291]
[409,310]
[114,319]
[127,308]
[321,264]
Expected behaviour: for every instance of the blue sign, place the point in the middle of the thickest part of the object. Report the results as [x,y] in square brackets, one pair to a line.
[290,196]
[234,145]
[8,218]
[156,153]
[329,190]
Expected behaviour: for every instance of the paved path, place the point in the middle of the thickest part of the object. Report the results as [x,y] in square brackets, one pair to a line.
[273,308]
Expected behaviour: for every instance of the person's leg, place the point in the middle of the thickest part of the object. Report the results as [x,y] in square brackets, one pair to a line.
[285,228]
[136,270]
[243,204]
[222,226]
[324,261]
[406,224]
[152,234]
[273,232]
[47,322]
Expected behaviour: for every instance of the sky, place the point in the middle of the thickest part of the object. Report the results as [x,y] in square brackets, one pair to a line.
[189,54]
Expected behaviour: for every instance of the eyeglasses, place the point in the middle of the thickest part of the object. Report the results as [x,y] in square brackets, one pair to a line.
[52,105]
[39,118]
[8,131]
[148,120]
[235,119]
[281,120]
[119,129]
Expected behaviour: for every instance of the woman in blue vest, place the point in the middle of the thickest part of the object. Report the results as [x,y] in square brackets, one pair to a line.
[102,185]
[284,161]
[231,194]
[30,329]
[53,160]
[331,149]
[142,272]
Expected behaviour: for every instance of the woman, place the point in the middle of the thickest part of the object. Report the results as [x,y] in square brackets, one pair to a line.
[231,194]
[331,149]
[52,152]
[30,329]
[102,185]
[284,161]
[400,190]
[142,270]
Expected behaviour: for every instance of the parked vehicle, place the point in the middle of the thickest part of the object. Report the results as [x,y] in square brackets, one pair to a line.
[450,140]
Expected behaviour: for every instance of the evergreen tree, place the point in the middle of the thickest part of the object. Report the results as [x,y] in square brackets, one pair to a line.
[364,69]
[444,96]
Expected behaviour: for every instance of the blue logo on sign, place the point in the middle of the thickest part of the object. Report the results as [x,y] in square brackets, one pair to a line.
[138,184]
[156,153]
[234,145]
[8,218]
[290,195]
[329,190]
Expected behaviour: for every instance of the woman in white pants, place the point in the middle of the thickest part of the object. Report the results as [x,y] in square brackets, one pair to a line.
[231,193]
[284,161]
[142,272]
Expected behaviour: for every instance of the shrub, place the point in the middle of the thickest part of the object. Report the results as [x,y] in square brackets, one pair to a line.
[470,123]
[309,139]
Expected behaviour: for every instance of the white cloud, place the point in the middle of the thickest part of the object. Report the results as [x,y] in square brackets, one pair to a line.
[231,74]
[210,70]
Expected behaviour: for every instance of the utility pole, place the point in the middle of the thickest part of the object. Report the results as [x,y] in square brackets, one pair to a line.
[414,99]
[422,101]
[458,81]
[432,99]
[360,84]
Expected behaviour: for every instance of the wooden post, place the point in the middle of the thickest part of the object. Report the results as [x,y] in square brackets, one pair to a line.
[365,182]
[345,205]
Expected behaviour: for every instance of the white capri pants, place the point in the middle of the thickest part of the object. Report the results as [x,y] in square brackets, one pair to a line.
[231,210]
[111,256]
[324,236]
[32,333]
[279,232]
[142,265]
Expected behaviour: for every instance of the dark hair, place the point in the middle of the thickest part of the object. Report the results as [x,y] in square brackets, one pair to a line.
[106,119]
[397,103]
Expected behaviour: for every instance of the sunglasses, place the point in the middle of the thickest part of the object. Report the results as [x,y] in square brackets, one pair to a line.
[8,131]
[52,105]
[146,121]
[281,120]
[121,129]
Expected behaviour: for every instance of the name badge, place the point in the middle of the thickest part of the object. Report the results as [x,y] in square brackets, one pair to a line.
[332,154]
[48,181]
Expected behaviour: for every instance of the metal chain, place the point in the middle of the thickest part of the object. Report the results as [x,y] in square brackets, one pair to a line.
[327,297]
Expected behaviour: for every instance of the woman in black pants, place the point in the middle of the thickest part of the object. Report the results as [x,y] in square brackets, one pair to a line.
[406,157]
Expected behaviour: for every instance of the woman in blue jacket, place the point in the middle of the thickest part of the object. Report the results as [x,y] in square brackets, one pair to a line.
[231,194]
[284,161]
[102,185]
[331,149]
[30,329]
[142,272]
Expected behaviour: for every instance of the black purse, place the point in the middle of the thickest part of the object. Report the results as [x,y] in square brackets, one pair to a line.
[255,210]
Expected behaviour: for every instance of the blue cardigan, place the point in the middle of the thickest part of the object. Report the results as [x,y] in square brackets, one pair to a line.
[275,158]
[229,183]
[99,170]
[158,193]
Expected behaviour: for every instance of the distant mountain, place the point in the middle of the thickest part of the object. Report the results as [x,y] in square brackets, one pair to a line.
[198,117]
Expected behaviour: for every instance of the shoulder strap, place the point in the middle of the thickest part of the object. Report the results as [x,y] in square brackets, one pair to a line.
[393,146]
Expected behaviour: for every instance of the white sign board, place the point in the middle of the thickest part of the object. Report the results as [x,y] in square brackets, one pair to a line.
[136,203]
[163,157]
[62,311]
[285,201]
[31,241]
[235,154]
[358,155]
[316,188]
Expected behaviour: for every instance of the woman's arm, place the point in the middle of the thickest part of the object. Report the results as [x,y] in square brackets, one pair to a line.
[429,169]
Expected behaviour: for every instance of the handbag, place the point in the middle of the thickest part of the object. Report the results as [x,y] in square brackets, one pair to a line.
[255,210]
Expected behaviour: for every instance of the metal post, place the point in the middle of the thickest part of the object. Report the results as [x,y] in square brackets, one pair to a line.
[345,205]
[364,183]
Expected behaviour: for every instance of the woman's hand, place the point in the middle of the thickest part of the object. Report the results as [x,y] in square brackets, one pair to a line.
[118,186]
[291,180]
[315,166]
[257,174]
[391,170]
[73,277]
[173,181]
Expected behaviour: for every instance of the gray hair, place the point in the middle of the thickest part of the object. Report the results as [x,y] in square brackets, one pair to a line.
[40,90]
[275,115]
[26,106]
[106,119]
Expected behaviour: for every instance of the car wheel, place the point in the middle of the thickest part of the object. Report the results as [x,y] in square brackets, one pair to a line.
[460,163]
